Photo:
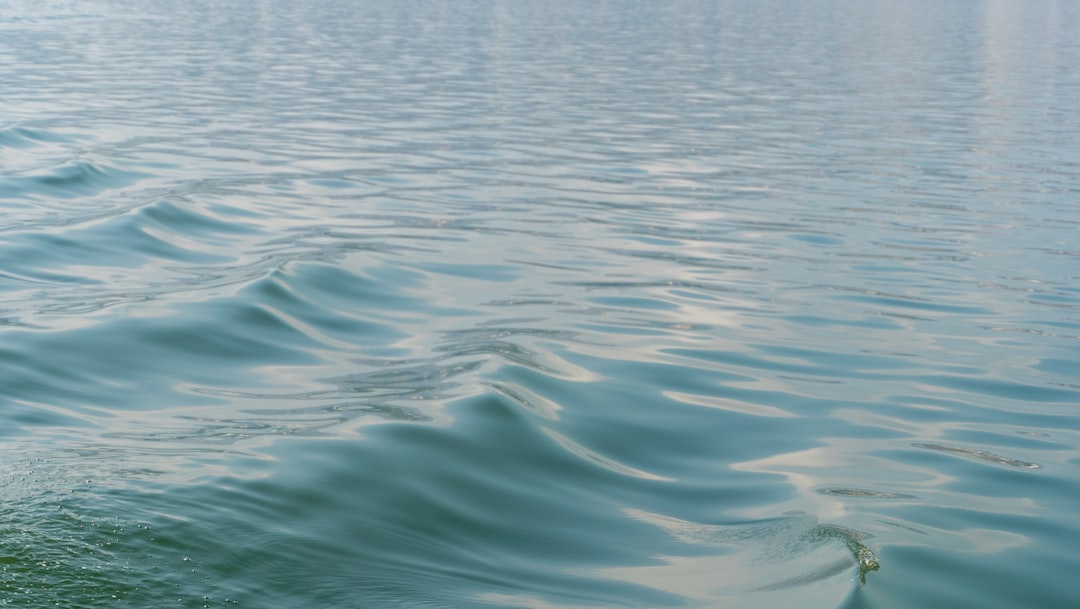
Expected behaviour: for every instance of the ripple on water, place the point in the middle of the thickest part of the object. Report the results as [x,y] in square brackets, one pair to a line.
[978,455]
[70,180]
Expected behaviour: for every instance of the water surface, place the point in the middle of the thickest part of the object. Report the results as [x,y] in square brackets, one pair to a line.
[539,304]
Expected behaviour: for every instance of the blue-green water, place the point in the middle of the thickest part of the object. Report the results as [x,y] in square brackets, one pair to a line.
[540,304]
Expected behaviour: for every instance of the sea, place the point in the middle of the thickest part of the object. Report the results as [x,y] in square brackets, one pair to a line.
[542,304]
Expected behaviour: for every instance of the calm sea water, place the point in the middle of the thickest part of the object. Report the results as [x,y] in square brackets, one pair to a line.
[540,304]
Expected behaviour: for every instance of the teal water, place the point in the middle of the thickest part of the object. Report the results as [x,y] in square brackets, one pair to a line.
[539,304]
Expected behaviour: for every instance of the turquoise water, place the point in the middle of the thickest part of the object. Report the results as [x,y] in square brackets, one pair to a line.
[539,304]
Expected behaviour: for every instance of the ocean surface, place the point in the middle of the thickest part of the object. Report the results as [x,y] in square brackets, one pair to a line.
[545,305]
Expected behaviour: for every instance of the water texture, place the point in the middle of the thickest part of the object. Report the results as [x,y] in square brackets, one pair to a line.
[539,304]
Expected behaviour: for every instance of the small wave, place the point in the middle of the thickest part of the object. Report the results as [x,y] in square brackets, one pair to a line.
[774,562]
[598,459]
[506,344]
[528,399]
[862,493]
[27,137]
[75,179]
